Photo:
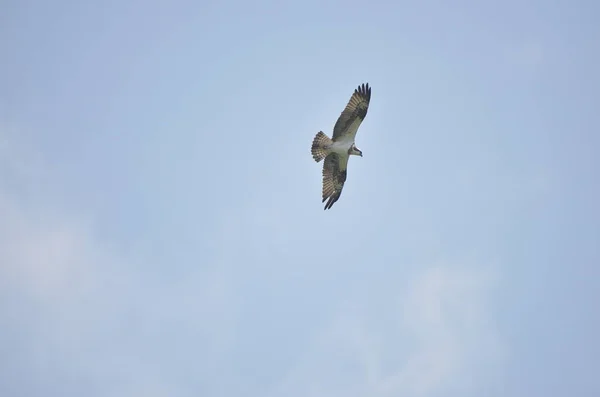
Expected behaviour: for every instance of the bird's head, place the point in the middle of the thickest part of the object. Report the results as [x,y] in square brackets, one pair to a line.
[355,151]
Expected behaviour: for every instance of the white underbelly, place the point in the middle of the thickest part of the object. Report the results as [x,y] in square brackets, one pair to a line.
[341,147]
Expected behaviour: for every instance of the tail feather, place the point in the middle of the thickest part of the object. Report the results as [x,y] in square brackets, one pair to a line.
[320,146]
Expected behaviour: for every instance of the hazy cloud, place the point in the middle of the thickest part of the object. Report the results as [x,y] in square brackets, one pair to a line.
[74,299]
[441,316]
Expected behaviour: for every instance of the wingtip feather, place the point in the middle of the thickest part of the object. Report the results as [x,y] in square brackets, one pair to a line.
[364,90]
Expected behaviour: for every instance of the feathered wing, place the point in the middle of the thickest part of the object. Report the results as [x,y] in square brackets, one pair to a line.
[334,176]
[354,113]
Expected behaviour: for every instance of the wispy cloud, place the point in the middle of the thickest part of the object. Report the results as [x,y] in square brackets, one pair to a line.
[414,342]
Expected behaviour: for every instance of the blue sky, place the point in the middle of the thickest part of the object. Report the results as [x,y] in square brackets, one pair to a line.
[162,229]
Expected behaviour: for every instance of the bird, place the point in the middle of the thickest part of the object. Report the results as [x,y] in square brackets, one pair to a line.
[337,150]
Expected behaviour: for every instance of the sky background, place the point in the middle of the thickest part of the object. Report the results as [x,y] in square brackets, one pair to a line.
[161,224]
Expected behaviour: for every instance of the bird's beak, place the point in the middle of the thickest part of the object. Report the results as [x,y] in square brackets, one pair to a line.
[360,154]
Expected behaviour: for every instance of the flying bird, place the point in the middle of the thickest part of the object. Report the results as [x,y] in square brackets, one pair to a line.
[337,150]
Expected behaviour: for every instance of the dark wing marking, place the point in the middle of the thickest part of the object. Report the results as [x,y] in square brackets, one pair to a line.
[334,176]
[354,113]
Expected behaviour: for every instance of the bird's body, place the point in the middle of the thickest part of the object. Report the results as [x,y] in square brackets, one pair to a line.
[337,150]
[341,146]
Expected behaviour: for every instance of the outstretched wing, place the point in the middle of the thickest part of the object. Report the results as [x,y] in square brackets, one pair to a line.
[354,113]
[334,176]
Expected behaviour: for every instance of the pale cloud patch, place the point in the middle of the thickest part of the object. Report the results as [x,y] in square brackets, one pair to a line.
[431,334]
[82,314]
[40,255]
[444,313]
[41,251]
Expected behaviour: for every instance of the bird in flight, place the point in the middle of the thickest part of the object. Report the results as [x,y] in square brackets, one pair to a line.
[337,150]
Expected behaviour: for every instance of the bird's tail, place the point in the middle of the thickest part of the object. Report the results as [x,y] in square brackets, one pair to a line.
[320,146]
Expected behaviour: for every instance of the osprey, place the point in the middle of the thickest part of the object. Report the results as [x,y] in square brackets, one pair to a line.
[337,150]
